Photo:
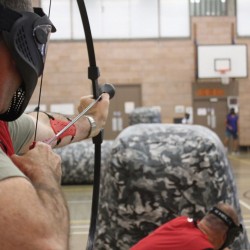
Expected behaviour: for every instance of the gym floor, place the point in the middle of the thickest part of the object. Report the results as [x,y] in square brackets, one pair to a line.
[80,197]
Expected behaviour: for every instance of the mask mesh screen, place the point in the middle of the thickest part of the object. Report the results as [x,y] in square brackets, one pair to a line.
[17,101]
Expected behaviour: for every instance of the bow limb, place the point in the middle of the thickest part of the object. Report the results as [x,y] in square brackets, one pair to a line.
[93,74]
[93,71]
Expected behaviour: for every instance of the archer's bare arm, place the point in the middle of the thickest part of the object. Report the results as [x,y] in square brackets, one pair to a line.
[34,214]
[99,112]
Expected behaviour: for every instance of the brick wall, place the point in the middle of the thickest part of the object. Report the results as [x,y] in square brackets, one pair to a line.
[164,68]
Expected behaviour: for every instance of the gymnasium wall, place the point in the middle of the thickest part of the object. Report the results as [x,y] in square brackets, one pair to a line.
[165,68]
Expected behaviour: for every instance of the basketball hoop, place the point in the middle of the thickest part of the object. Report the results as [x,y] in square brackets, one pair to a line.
[223,76]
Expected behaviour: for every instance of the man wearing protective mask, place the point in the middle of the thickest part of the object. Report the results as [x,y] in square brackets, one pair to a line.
[34,214]
[215,231]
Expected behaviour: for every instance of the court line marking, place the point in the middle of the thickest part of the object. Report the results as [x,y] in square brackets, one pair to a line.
[79,226]
[79,233]
[244,204]
[246,161]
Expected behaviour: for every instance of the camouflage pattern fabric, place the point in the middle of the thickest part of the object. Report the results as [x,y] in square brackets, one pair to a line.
[157,172]
[78,161]
[145,115]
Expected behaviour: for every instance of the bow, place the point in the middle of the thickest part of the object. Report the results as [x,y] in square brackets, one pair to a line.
[93,74]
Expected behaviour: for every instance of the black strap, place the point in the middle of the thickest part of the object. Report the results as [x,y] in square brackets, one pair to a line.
[93,74]
[51,117]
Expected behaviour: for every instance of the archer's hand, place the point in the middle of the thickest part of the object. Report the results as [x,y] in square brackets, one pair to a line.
[99,111]
[40,164]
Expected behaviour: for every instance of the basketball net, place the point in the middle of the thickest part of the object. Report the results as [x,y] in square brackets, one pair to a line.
[224,78]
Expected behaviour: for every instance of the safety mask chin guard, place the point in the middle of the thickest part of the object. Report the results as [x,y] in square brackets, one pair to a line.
[26,35]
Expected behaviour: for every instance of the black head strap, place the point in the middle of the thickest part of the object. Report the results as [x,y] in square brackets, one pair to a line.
[233,230]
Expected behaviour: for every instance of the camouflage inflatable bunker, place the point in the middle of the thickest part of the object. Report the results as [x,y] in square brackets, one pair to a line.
[78,161]
[78,158]
[157,172]
[145,115]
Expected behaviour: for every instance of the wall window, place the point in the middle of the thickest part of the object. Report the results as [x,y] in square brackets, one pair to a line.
[60,16]
[243,22]
[174,18]
[208,7]
[121,19]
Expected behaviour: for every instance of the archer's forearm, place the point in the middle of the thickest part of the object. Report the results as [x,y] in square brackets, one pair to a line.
[47,129]
[51,124]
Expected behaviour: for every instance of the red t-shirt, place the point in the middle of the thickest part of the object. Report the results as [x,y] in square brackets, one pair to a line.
[5,139]
[177,234]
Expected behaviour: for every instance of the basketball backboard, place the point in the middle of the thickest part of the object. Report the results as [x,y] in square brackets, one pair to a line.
[218,61]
